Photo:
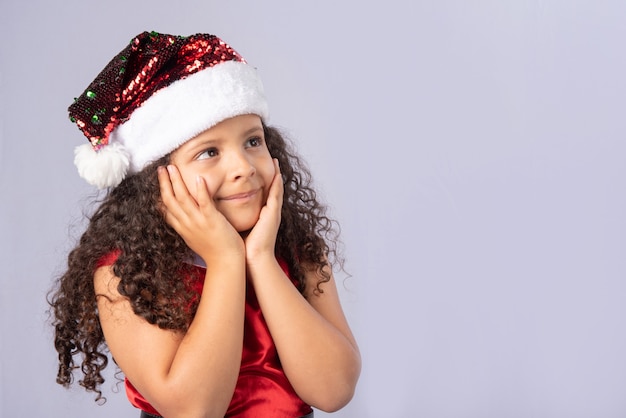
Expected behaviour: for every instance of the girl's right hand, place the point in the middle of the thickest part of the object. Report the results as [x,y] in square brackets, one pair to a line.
[205,230]
[192,373]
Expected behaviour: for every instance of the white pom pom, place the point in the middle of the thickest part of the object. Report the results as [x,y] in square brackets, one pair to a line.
[106,167]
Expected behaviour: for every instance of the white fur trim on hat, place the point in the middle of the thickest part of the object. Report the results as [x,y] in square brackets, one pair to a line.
[187,107]
[106,167]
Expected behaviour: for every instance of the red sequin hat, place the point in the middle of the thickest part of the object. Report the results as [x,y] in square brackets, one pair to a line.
[156,94]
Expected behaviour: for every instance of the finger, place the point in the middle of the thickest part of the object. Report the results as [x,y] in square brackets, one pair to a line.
[172,220]
[169,204]
[178,185]
[276,166]
[203,196]
[276,188]
[184,197]
[176,198]
[165,187]
[164,181]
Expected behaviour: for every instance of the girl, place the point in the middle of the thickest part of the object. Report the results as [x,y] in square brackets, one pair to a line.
[205,270]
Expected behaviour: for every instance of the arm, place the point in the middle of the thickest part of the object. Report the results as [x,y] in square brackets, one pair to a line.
[194,373]
[317,349]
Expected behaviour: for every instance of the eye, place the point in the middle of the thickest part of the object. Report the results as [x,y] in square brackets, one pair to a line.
[254,142]
[209,153]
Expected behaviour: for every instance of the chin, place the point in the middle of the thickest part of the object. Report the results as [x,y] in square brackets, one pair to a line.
[244,226]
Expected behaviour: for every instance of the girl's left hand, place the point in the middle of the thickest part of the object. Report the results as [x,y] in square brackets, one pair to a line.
[262,238]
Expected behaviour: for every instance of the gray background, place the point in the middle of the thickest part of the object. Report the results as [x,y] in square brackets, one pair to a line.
[472,150]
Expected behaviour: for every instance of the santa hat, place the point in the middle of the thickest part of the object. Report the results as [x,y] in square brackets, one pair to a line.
[156,94]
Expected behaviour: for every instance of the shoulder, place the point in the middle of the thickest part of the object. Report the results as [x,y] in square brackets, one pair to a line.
[104,279]
[105,284]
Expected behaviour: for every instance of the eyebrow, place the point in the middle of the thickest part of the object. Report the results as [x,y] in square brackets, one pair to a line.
[253,130]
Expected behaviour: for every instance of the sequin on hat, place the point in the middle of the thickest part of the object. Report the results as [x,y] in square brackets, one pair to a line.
[156,94]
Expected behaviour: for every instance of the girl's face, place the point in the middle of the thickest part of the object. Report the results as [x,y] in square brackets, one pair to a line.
[236,165]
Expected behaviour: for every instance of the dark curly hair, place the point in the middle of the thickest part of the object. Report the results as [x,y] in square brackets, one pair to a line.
[152,260]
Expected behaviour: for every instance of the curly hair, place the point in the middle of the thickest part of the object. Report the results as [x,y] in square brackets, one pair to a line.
[152,261]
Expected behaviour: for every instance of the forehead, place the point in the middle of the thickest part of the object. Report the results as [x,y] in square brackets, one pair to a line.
[234,128]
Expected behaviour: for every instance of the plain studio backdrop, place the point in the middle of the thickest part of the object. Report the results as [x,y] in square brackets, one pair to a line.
[473,152]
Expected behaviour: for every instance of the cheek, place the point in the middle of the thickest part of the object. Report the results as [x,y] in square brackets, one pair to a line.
[192,185]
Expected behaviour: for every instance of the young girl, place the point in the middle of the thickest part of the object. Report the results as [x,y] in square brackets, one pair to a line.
[205,271]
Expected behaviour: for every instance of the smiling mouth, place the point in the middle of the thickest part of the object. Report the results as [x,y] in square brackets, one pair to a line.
[240,196]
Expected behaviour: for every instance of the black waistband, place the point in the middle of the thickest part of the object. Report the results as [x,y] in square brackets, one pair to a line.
[144,414]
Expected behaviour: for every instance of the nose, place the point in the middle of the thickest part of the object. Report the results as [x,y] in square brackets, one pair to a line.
[241,166]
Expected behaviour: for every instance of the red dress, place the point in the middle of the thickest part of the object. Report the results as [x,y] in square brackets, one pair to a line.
[262,388]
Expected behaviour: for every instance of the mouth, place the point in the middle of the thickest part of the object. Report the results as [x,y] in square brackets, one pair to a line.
[240,196]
